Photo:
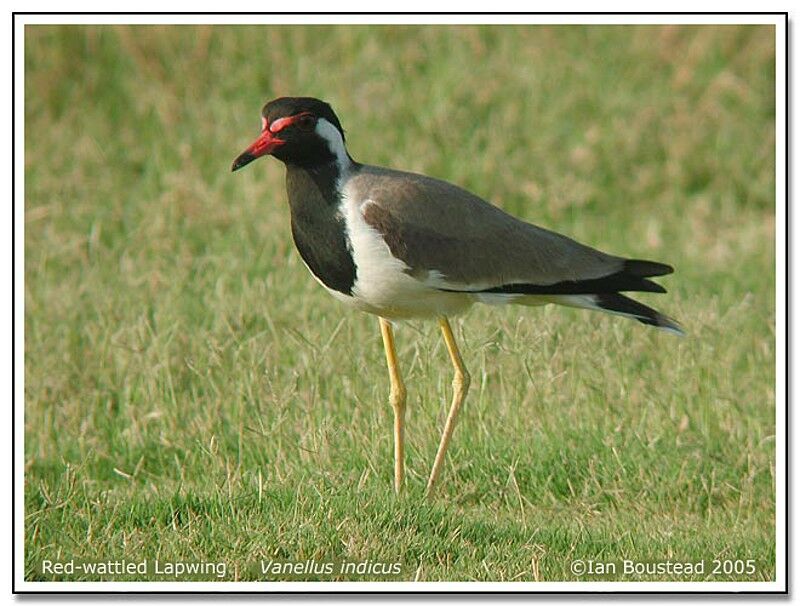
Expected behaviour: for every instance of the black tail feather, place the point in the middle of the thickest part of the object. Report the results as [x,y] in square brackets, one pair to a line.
[620,304]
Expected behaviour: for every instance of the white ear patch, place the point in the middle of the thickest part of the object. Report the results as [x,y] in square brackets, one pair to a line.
[333,137]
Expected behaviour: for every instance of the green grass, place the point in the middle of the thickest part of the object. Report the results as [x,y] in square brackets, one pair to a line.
[191,393]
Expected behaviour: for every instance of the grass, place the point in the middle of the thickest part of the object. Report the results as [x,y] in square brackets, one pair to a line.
[192,394]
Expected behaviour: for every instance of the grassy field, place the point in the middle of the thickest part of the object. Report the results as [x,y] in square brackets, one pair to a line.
[192,394]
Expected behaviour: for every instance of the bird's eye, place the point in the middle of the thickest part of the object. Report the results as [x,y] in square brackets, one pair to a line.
[306,121]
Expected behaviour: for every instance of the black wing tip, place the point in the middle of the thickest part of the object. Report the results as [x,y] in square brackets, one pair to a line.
[647,269]
[633,277]
[650,286]
[614,283]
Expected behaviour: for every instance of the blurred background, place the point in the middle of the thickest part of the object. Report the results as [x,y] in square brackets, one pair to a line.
[191,391]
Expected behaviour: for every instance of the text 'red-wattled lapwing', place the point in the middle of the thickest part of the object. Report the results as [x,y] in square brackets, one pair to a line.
[401,245]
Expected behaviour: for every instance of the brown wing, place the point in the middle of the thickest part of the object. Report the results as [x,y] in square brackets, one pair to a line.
[432,225]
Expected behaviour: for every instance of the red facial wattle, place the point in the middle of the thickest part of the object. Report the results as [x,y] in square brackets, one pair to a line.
[267,142]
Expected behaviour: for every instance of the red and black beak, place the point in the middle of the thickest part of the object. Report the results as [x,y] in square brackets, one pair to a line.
[265,144]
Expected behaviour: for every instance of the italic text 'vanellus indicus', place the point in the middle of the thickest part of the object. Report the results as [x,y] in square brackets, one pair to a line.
[401,245]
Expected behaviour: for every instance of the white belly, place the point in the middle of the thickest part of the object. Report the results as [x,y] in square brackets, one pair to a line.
[406,305]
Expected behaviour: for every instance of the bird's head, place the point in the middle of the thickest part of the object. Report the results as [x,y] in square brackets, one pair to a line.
[297,130]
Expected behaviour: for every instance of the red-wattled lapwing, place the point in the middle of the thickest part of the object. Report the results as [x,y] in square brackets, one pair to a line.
[401,245]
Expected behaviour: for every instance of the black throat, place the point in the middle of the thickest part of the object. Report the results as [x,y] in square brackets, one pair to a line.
[318,227]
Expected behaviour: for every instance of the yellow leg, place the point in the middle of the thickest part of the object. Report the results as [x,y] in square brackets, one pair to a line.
[460,387]
[397,397]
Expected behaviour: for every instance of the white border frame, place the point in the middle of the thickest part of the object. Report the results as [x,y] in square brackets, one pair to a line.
[779,585]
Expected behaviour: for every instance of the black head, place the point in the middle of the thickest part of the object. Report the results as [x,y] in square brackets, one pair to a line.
[297,130]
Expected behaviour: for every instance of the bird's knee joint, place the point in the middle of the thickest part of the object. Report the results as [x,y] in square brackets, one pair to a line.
[397,398]
[461,381]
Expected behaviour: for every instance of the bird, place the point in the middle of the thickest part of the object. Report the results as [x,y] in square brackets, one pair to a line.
[402,246]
